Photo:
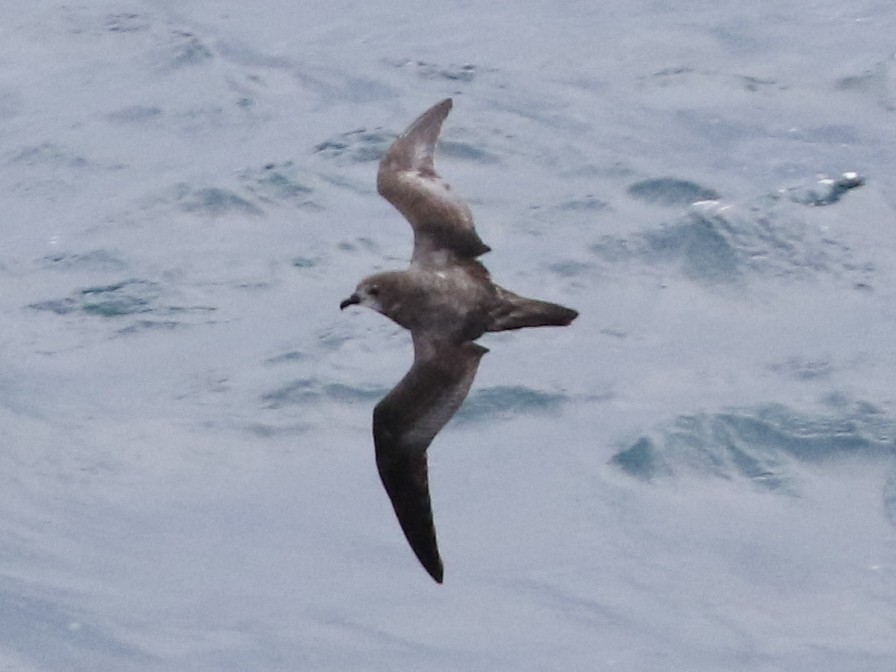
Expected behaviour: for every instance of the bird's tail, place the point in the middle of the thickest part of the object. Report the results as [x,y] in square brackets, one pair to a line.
[517,312]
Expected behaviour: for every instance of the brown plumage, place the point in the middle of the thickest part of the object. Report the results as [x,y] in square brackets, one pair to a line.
[447,299]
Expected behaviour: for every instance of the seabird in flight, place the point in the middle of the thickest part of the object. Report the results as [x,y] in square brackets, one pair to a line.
[447,300]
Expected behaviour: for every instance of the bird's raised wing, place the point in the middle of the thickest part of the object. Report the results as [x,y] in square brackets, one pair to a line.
[406,421]
[407,178]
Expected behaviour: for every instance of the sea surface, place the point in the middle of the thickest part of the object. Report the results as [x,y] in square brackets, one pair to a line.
[697,475]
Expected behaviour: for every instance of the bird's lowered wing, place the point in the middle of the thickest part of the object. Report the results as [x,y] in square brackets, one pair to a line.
[407,178]
[405,422]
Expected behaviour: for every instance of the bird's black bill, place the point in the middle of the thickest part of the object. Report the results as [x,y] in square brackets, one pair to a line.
[350,301]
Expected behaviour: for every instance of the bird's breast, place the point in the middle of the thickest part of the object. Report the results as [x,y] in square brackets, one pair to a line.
[449,300]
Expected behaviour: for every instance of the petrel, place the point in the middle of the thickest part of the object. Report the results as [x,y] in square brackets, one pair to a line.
[446,299]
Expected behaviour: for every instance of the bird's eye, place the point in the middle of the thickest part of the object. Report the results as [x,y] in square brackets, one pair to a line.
[373,290]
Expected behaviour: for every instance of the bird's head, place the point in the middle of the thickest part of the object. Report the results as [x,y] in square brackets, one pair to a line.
[376,292]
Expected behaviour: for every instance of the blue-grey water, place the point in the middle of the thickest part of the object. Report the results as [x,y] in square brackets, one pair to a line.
[696,475]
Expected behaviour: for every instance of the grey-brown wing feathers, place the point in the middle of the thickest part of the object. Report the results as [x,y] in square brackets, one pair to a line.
[404,424]
[407,178]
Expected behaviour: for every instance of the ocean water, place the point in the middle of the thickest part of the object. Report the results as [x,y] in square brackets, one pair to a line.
[698,474]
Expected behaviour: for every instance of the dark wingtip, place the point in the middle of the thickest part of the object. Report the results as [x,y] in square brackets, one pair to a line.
[436,571]
[405,478]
